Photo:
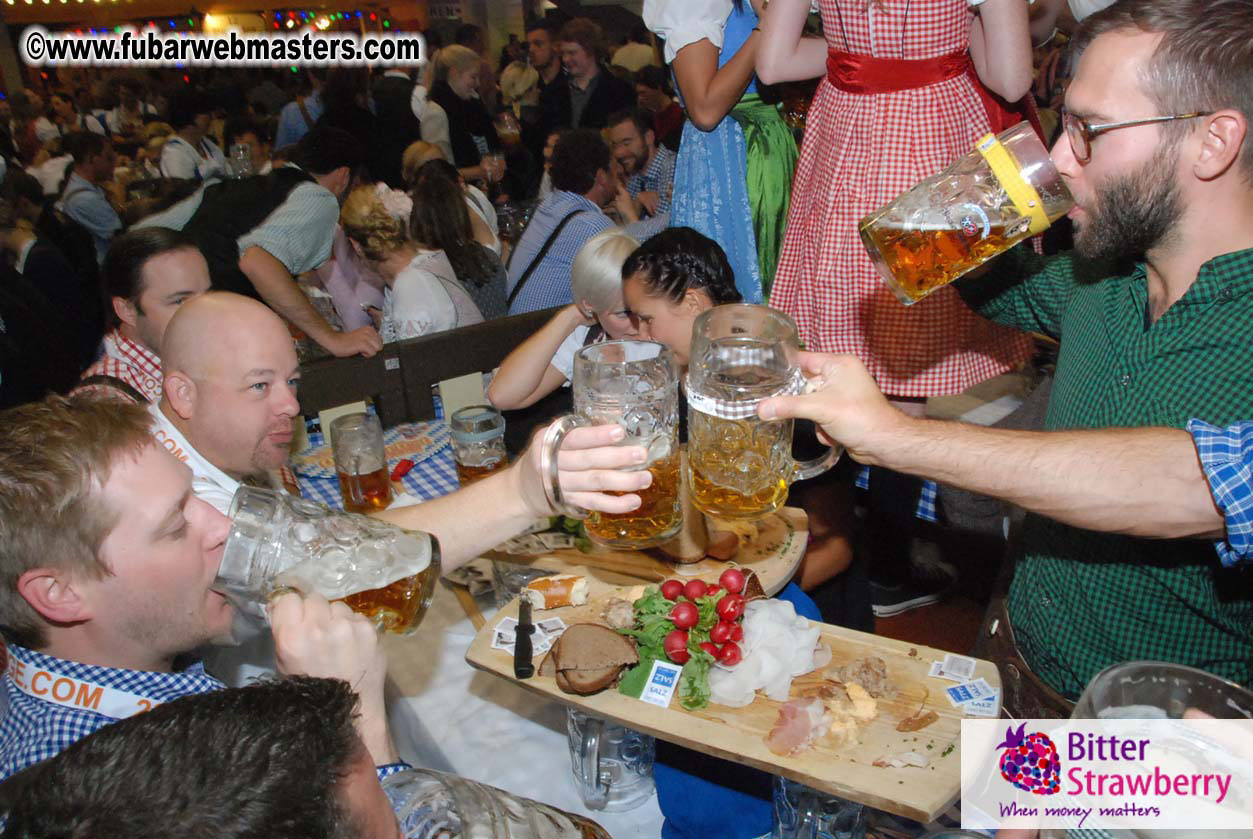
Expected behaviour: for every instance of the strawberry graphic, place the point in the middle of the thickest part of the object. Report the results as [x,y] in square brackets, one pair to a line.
[1030,762]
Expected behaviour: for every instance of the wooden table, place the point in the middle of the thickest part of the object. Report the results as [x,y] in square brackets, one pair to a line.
[738,734]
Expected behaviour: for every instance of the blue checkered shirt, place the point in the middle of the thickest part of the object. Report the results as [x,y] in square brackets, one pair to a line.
[549,283]
[32,729]
[1227,461]
[658,177]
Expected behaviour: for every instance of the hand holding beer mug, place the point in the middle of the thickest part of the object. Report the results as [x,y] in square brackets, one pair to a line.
[278,542]
[740,466]
[361,462]
[979,207]
[635,385]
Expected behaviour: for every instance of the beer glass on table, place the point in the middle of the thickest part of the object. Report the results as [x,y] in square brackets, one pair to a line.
[634,384]
[279,542]
[478,442]
[739,466]
[985,203]
[361,462]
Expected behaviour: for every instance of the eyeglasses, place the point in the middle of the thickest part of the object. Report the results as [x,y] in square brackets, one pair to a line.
[1081,133]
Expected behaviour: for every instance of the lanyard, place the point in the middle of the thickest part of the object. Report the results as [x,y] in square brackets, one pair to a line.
[59,689]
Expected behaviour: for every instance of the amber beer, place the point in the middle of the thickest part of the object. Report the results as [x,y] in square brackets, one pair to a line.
[658,517]
[741,468]
[470,474]
[922,260]
[399,606]
[365,492]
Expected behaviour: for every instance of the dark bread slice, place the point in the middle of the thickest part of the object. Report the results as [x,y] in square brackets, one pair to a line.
[593,646]
[548,667]
[588,658]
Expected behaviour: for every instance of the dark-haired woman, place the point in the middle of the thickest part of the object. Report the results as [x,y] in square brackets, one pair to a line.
[672,278]
[441,221]
[732,178]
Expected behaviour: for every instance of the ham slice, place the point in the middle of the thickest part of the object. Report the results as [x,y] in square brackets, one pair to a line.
[800,723]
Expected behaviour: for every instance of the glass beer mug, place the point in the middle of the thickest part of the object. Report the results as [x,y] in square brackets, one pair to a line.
[361,462]
[739,466]
[636,385]
[988,201]
[279,542]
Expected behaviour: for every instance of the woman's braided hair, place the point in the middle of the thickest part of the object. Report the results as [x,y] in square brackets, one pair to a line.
[679,259]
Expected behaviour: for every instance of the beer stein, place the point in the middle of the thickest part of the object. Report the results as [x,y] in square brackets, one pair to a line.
[612,764]
[361,462]
[801,812]
[739,466]
[478,442]
[988,201]
[636,385]
[278,542]
[1160,690]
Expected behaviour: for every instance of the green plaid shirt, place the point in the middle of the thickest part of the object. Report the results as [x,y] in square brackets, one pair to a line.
[1081,601]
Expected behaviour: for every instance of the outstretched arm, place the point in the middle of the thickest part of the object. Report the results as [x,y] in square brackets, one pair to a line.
[1136,481]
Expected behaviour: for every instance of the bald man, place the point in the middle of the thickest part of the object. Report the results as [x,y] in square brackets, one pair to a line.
[230,393]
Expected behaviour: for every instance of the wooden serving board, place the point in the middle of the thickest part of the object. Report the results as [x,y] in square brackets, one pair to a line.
[738,734]
[775,555]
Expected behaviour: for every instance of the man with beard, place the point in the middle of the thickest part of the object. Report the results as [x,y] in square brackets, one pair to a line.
[647,169]
[1155,319]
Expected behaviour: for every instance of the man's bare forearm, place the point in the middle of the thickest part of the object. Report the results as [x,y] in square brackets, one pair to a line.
[280,292]
[1137,481]
[472,520]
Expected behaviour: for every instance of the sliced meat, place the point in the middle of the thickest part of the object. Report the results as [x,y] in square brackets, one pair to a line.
[800,723]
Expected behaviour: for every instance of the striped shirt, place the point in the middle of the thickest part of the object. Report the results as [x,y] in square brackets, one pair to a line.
[549,283]
[299,233]
[1227,460]
[1081,601]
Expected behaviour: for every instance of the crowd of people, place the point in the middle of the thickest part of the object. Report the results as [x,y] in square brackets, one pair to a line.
[173,244]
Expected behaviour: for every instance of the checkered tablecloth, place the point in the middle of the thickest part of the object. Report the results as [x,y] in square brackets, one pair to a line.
[430,477]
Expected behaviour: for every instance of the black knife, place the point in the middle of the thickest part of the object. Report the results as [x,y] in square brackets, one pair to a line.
[522,666]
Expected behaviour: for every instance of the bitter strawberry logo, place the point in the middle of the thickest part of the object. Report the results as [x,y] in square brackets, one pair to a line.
[1030,762]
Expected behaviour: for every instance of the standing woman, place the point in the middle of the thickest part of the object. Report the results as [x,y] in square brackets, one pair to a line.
[732,178]
[471,132]
[900,101]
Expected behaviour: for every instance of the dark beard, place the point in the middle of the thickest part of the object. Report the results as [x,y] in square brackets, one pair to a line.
[1133,213]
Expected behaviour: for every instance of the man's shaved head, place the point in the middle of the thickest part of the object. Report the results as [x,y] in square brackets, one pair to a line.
[230,378]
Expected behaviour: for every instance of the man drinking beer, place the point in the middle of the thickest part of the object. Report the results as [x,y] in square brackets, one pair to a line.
[107,556]
[1157,154]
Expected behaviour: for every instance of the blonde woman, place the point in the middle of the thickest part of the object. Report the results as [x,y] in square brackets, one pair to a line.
[470,133]
[422,294]
[545,361]
[519,87]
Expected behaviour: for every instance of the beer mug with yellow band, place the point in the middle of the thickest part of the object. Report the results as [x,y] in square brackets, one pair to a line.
[1004,191]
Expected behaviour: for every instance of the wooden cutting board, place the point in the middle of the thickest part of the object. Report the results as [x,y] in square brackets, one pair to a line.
[775,555]
[738,734]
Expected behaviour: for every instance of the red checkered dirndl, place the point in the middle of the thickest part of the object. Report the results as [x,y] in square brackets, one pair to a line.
[859,152]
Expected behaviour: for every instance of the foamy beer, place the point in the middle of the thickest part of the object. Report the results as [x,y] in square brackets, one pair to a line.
[988,201]
[636,385]
[740,467]
[279,542]
[361,462]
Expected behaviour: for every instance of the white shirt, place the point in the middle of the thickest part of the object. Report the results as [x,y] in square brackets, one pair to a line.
[424,298]
[51,172]
[180,159]
[1083,8]
[563,358]
[479,204]
[45,130]
[208,482]
[687,22]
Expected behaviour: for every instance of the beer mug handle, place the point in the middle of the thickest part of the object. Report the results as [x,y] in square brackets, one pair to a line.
[595,789]
[549,476]
[811,468]
[355,493]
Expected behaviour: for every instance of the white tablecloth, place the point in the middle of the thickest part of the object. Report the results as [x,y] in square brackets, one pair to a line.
[447,715]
